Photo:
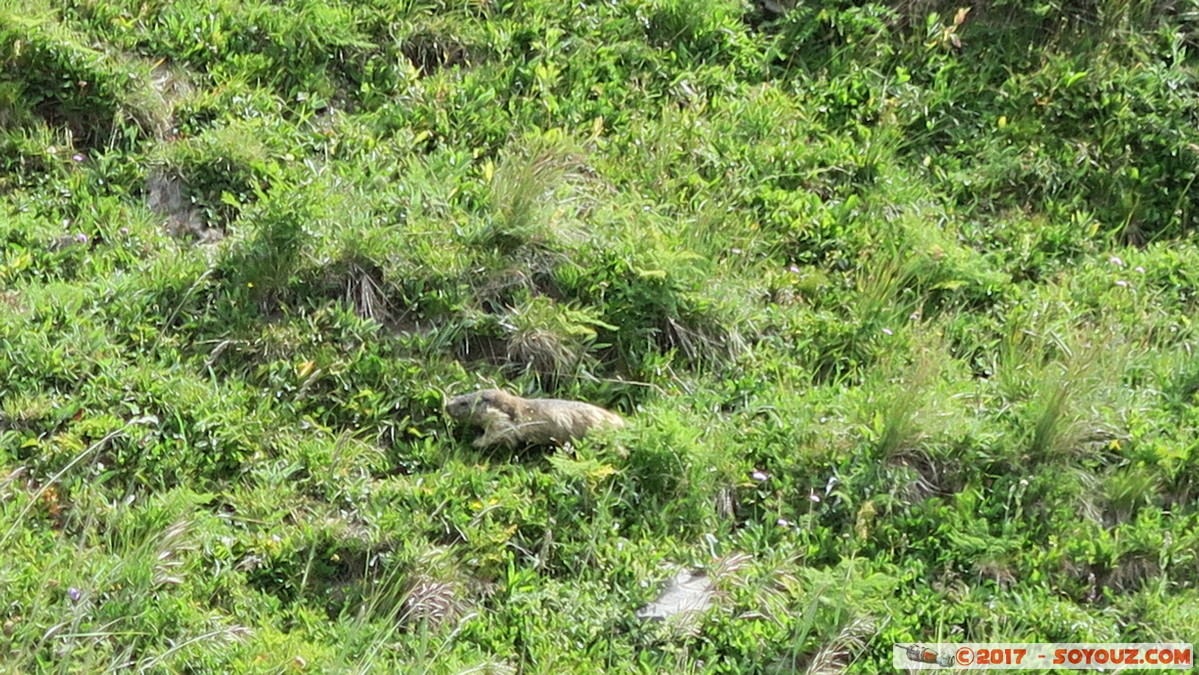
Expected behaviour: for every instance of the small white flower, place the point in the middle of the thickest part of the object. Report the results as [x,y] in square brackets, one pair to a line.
[1139,269]
[814,497]
[887,331]
[1122,283]
[1116,261]
[783,522]
[759,475]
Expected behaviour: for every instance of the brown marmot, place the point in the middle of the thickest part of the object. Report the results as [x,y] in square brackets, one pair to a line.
[511,420]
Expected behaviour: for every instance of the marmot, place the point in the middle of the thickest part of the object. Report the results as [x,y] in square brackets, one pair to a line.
[511,420]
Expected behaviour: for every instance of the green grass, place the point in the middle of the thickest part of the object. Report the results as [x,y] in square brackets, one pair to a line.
[897,300]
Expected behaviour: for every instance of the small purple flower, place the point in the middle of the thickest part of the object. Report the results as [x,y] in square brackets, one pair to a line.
[81,238]
[794,269]
[814,497]
[783,522]
[74,594]
[78,157]
[759,475]
[1116,261]
[124,231]
[1139,269]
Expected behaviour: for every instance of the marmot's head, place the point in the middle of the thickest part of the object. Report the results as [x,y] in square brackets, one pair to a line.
[460,407]
[467,406]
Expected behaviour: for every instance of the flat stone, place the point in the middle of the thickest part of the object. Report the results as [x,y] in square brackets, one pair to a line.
[690,592]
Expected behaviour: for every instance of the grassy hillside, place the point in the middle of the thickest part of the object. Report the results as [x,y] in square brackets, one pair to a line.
[897,298]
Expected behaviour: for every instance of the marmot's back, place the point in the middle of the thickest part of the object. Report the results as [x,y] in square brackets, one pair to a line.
[555,420]
[511,420]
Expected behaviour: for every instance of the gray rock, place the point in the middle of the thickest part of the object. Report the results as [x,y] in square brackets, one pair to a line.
[689,593]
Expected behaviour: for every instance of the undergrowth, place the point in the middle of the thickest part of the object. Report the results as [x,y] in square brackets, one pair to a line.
[896,298]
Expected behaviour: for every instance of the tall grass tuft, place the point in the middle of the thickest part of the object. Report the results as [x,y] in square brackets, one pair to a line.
[551,339]
[535,197]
